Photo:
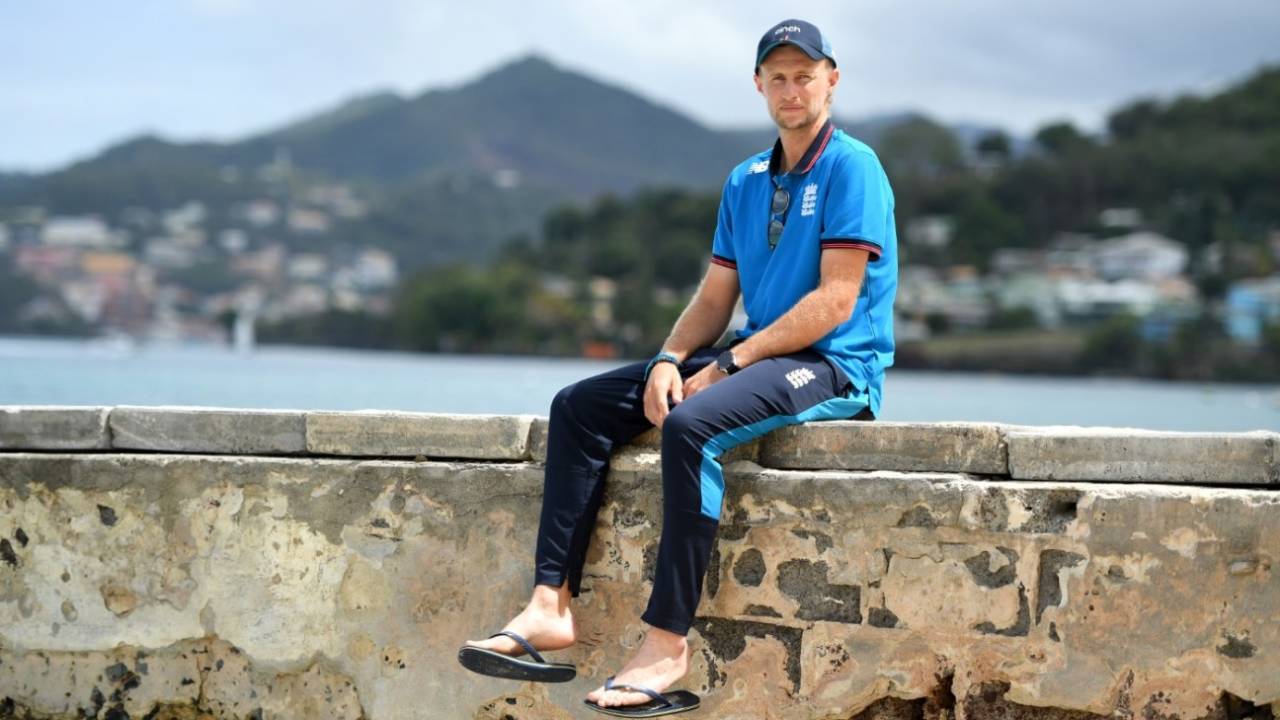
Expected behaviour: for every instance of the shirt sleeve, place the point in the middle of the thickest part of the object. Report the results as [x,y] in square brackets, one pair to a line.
[722,245]
[858,206]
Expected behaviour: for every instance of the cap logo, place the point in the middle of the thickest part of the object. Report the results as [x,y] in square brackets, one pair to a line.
[786,28]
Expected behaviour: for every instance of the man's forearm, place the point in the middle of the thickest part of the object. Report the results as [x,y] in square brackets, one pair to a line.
[701,323]
[808,321]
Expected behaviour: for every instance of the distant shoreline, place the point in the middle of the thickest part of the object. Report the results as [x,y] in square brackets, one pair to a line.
[1029,354]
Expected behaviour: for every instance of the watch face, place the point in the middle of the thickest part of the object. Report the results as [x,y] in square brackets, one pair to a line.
[725,363]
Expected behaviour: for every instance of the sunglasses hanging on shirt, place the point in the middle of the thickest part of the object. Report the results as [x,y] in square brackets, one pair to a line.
[781,199]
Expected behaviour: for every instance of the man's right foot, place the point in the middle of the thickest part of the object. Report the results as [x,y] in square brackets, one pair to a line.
[544,628]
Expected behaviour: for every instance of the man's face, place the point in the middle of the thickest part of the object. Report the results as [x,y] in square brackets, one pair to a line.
[795,87]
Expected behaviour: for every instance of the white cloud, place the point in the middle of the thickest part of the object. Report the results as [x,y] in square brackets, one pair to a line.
[225,68]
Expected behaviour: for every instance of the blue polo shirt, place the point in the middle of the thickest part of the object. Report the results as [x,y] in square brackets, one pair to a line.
[839,198]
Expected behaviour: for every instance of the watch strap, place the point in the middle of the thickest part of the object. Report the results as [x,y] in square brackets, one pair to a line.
[730,366]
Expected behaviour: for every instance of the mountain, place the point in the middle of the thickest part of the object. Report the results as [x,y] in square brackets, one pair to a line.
[349,111]
[449,173]
[549,125]
[871,130]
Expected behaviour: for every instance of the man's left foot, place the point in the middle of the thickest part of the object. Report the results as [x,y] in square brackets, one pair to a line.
[663,658]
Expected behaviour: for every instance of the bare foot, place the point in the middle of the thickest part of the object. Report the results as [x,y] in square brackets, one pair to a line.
[546,623]
[662,659]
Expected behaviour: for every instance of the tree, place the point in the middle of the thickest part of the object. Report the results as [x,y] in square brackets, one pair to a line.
[1114,346]
[982,227]
[994,146]
[1061,138]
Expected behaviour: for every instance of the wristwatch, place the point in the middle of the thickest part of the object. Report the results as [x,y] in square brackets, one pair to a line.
[726,363]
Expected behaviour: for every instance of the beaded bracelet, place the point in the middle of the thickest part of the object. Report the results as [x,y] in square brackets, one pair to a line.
[660,357]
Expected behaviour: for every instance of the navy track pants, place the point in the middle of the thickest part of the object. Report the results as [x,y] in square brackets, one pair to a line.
[593,416]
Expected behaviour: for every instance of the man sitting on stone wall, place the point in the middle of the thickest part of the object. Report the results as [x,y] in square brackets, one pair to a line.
[806,234]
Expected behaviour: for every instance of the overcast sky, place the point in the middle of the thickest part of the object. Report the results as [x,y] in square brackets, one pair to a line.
[78,76]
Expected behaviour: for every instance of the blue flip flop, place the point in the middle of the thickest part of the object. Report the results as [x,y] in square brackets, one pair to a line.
[673,702]
[496,664]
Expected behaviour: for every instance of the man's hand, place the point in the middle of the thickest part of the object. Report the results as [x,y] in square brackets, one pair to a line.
[664,382]
[703,379]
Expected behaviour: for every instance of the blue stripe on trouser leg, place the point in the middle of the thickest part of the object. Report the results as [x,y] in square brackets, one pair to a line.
[588,420]
[777,391]
[711,476]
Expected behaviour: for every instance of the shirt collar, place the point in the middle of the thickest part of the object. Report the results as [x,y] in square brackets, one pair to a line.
[810,156]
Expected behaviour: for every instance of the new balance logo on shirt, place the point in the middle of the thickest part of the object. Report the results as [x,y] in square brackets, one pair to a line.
[800,377]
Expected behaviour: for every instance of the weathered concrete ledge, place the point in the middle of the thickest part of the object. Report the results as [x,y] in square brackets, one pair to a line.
[1016,452]
[179,562]
[1074,453]
[54,428]
[207,430]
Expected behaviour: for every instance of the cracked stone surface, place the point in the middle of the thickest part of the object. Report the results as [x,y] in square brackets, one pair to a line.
[249,586]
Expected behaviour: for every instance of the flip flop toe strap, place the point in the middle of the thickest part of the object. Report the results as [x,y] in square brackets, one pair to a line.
[657,697]
[537,657]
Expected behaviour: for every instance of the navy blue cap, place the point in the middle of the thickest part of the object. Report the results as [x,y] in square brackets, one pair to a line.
[803,35]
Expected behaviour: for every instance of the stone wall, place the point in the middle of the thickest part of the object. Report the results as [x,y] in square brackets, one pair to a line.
[203,562]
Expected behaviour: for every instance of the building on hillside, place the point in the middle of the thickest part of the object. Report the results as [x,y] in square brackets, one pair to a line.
[1012,261]
[304,299]
[186,219]
[338,199]
[602,290]
[83,232]
[557,286]
[1070,255]
[1251,305]
[1082,299]
[967,300]
[260,213]
[375,269]
[266,264]
[930,231]
[107,264]
[138,218]
[961,297]
[107,290]
[1139,256]
[85,297]
[306,221]
[346,299]
[918,289]
[1031,290]
[233,240]
[1177,290]
[1126,218]
[307,267]
[47,264]
[1177,303]
[166,252]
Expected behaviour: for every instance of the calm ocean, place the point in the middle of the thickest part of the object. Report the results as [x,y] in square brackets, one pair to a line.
[40,371]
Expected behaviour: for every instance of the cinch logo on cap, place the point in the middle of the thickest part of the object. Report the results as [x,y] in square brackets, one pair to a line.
[799,33]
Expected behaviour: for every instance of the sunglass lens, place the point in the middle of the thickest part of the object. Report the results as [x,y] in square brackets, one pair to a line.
[780,200]
[775,232]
